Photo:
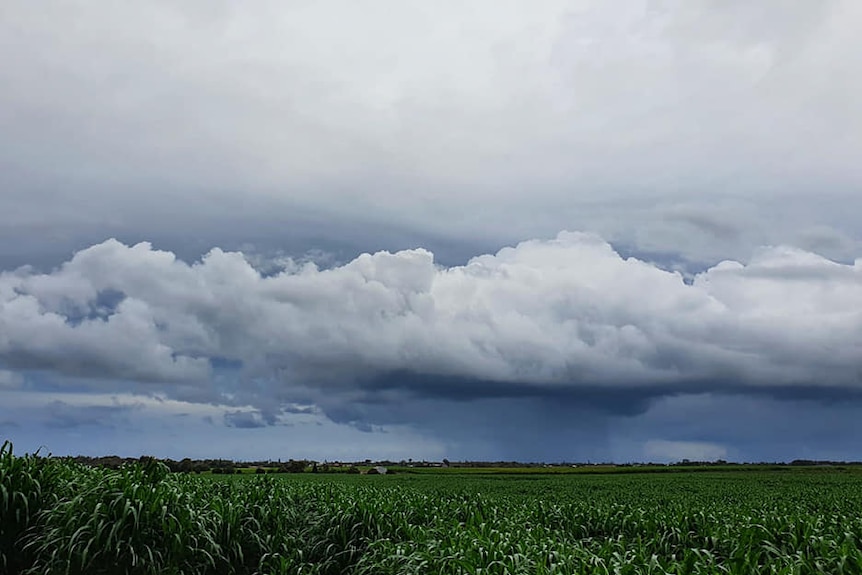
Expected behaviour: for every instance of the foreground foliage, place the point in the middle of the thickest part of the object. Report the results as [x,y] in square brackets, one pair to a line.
[59,517]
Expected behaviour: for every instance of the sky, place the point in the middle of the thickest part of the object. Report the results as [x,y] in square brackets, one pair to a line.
[496,230]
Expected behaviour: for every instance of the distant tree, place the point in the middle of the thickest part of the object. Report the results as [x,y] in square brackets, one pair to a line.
[293,466]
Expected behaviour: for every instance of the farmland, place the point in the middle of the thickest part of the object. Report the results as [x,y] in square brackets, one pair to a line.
[60,517]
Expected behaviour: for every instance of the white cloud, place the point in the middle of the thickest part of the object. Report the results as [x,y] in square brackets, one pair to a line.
[660,450]
[566,313]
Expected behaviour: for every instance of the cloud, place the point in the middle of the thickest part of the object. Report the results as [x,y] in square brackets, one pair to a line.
[10,379]
[245,419]
[62,415]
[331,125]
[682,135]
[71,423]
[663,451]
[567,318]
[753,427]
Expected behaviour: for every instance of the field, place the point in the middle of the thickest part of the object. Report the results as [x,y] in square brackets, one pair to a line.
[60,517]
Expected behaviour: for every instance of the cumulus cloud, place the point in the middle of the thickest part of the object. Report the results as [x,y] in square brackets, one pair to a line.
[38,333]
[567,316]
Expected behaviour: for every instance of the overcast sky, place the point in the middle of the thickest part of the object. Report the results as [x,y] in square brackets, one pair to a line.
[493,230]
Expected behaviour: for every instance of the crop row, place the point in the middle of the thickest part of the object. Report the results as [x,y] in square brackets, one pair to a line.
[59,517]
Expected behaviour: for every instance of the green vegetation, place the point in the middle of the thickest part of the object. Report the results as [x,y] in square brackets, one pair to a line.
[61,517]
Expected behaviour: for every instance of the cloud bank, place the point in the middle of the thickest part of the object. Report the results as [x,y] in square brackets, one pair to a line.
[706,128]
[566,317]
[682,135]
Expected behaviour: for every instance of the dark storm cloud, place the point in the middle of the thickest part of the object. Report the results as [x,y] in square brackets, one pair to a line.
[499,428]
[749,428]
[620,399]
[566,321]
[409,386]
[245,419]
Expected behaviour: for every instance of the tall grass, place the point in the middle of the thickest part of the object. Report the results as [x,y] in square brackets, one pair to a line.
[28,485]
[58,517]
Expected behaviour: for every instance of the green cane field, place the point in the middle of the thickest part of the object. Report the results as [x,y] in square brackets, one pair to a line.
[59,517]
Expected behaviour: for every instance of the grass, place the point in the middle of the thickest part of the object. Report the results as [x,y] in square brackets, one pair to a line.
[58,517]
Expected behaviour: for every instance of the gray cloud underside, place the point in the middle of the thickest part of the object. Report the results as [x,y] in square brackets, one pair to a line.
[567,317]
